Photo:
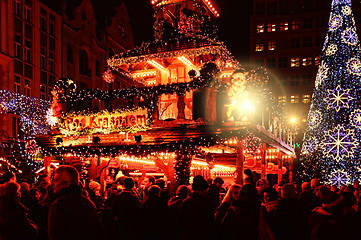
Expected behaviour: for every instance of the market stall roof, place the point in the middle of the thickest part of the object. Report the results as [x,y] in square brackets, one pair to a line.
[163,136]
[190,46]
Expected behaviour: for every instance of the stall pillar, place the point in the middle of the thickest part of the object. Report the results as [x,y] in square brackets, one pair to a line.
[280,165]
[47,162]
[239,163]
[263,161]
[290,168]
[181,106]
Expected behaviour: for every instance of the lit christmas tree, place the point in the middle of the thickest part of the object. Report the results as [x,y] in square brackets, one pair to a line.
[331,141]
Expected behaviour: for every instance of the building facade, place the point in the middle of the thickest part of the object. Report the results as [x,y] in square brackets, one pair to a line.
[286,37]
[42,41]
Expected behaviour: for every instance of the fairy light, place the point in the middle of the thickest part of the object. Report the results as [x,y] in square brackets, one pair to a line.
[188,62]
[158,66]
[144,74]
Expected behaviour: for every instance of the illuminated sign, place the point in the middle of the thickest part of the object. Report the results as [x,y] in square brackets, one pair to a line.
[105,122]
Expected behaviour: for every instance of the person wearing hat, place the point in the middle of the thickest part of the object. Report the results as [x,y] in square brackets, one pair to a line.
[196,219]
[94,194]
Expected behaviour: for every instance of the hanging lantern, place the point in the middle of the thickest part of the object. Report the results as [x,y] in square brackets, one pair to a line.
[108,76]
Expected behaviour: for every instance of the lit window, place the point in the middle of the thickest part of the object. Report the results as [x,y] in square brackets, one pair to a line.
[284,26]
[295,25]
[317,60]
[271,27]
[282,100]
[295,62]
[306,98]
[306,61]
[295,99]
[260,28]
[259,47]
[272,45]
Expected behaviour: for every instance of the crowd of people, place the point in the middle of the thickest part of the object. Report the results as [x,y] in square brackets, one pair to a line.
[66,208]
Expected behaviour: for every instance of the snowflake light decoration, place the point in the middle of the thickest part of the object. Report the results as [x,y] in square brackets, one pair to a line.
[321,74]
[354,66]
[310,145]
[346,10]
[314,118]
[349,36]
[331,50]
[355,118]
[339,177]
[338,98]
[339,143]
[335,22]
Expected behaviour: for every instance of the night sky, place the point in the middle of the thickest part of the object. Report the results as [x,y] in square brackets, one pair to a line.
[233,24]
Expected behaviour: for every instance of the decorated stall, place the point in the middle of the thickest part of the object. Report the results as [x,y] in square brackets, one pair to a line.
[196,112]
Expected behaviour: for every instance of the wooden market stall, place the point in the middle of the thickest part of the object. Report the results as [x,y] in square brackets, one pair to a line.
[198,112]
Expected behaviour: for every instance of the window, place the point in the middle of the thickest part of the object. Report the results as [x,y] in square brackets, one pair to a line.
[283,81]
[259,62]
[295,80]
[122,31]
[42,92]
[282,100]
[272,45]
[84,63]
[27,14]
[295,62]
[306,98]
[319,41]
[259,47]
[111,52]
[17,84]
[317,60]
[283,44]
[97,69]
[50,96]
[295,99]
[42,58]
[307,23]
[307,79]
[307,42]
[282,62]
[295,25]
[17,50]
[271,27]
[306,61]
[17,8]
[27,87]
[320,22]
[43,23]
[271,63]
[51,28]
[70,53]
[27,51]
[260,28]
[51,62]
[284,26]
[295,42]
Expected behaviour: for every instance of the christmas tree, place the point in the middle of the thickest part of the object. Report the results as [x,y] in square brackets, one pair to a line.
[331,149]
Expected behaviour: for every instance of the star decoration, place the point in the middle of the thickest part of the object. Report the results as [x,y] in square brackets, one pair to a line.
[314,118]
[354,66]
[355,118]
[339,143]
[335,22]
[321,74]
[339,177]
[338,98]
[349,36]
[331,50]
[346,10]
